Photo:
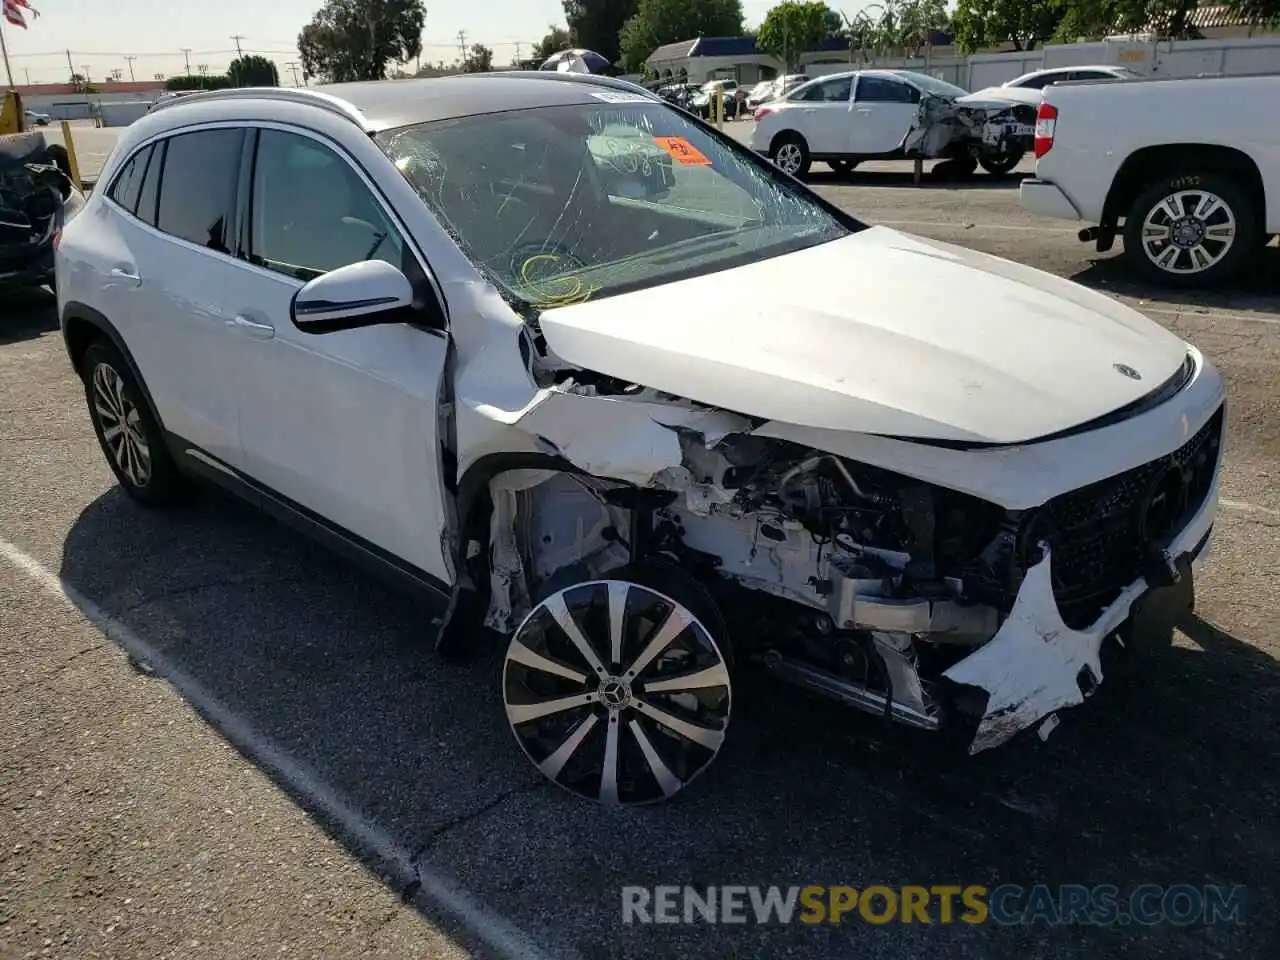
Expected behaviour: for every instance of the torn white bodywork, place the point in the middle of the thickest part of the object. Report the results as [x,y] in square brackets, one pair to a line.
[989,122]
[870,564]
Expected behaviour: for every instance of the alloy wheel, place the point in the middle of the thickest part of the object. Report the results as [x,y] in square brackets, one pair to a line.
[788,158]
[1188,232]
[121,424]
[616,692]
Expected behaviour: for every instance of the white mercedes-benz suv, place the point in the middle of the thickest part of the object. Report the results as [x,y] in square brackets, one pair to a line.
[611,386]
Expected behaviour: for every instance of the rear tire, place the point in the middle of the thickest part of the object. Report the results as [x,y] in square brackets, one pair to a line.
[999,164]
[842,167]
[128,433]
[1192,230]
[790,154]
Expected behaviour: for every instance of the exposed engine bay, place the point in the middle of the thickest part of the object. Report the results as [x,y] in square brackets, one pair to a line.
[34,188]
[990,127]
[856,582]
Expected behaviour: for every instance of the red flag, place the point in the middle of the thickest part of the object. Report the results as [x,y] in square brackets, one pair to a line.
[13,12]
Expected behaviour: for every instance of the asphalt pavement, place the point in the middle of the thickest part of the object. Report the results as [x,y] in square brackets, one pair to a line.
[218,741]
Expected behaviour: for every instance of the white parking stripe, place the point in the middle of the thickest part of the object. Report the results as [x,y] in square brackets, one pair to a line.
[436,890]
[967,225]
[1241,507]
[1192,313]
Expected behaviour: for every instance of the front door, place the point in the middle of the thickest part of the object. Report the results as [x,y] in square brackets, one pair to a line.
[342,424]
[824,114]
[884,110]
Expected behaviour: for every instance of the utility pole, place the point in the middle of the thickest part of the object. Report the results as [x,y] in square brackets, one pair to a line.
[129,60]
[293,66]
[84,72]
[237,38]
[71,70]
[462,44]
[186,55]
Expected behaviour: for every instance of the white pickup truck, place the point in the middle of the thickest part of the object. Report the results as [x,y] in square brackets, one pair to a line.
[1186,171]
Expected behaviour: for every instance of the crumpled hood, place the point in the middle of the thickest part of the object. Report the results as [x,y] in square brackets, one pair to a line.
[879,332]
[989,96]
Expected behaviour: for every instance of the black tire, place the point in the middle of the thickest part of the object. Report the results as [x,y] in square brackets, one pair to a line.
[1177,188]
[782,144]
[59,157]
[842,167]
[144,469]
[999,164]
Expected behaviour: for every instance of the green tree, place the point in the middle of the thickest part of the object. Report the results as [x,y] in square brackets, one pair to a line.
[668,21]
[1094,19]
[253,71]
[791,28]
[1258,13]
[204,81]
[557,39]
[356,39]
[597,24]
[988,23]
[479,59]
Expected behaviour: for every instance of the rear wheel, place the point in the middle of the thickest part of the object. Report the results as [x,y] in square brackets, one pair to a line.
[1192,230]
[617,690]
[790,154]
[842,167]
[129,435]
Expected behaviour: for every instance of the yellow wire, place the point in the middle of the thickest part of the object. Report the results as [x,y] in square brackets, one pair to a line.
[572,290]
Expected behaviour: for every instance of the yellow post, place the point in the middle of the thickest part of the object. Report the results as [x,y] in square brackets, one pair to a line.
[69,142]
[719,107]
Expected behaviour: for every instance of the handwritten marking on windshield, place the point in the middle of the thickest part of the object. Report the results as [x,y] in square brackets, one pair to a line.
[539,274]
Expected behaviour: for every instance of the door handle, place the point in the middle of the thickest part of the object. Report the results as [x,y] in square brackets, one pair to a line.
[120,273]
[253,328]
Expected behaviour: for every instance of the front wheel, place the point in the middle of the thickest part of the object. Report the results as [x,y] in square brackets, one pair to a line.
[618,691]
[998,164]
[1191,230]
[790,154]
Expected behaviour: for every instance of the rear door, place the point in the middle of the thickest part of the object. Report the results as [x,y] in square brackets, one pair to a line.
[167,281]
[823,109]
[885,109]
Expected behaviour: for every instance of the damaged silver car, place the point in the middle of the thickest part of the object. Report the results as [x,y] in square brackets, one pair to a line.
[651,423]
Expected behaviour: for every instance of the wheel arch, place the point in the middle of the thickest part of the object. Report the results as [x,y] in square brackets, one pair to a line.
[786,133]
[82,326]
[1143,167]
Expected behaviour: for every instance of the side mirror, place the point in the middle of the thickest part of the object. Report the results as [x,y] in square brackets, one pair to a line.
[364,294]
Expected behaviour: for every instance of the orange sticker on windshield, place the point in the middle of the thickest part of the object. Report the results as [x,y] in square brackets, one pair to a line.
[682,151]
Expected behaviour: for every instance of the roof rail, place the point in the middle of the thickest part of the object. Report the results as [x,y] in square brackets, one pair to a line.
[597,79]
[311,98]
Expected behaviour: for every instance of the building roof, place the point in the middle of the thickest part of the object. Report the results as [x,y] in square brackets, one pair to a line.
[67,89]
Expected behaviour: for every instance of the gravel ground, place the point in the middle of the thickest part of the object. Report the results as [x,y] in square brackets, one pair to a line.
[130,826]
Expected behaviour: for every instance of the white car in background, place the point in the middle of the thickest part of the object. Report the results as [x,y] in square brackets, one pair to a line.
[647,432]
[1029,87]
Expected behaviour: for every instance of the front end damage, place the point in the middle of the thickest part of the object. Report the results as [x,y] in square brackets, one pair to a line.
[896,595]
[34,192]
[976,128]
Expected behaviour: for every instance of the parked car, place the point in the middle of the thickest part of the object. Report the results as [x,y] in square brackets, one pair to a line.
[651,441]
[762,92]
[1194,200]
[1029,87]
[34,118]
[846,118]
[37,200]
[726,90]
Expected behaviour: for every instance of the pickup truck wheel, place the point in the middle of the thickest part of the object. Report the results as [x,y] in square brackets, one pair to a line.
[790,154]
[1191,230]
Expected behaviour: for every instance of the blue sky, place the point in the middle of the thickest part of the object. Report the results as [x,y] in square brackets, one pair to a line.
[100,33]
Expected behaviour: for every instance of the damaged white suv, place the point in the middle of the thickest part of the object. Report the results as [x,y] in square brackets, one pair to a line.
[628,395]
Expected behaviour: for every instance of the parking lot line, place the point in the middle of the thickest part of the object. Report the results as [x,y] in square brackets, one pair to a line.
[963,224]
[1209,315]
[1241,507]
[432,889]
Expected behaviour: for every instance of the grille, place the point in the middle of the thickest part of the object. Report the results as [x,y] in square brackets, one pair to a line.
[1101,536]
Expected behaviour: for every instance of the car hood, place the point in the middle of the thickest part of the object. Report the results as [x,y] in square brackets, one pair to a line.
[995,95]
[879,332]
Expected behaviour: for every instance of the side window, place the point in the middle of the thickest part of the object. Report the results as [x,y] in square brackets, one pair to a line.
[128,184]
[199,184]
[836,91]
[1090,75]
[311,213]
[884,90]
[1040,82]
[150,191]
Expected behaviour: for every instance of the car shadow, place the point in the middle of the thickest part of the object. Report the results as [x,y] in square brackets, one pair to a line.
[906,178]
[1170,777]
[1256,288]
[26,313]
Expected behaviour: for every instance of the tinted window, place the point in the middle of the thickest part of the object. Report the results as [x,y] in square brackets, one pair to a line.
[1042,81]
[150,192]
[1090,75]
[828,91]
[311,213]
[198,190]
[883,90]
[128,185]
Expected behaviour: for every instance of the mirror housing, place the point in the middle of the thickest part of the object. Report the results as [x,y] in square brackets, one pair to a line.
[365,294]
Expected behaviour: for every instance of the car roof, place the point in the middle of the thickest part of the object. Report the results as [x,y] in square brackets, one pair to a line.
[379,105]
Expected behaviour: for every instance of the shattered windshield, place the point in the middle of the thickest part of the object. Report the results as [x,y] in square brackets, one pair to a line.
[563,204]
